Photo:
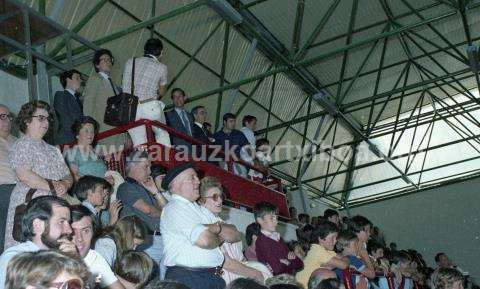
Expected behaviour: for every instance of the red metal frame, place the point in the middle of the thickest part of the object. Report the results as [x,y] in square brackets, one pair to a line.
[240,191]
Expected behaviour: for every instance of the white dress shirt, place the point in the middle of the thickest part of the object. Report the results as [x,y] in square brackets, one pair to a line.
[182,222]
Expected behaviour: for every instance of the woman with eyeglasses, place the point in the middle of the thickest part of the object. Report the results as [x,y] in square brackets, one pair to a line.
[235,266]
[46,269]
[38,165]
[99,87]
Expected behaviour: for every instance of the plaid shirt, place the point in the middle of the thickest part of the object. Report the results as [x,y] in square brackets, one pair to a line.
[150,74]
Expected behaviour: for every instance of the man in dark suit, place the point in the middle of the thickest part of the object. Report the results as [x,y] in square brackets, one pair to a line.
[180,120]
[67,105]
[200,114]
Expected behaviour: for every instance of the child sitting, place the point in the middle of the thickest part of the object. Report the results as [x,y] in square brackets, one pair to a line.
[270,248]
[321,253]
[347,247]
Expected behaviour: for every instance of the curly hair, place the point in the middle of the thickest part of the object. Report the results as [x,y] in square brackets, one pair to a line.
[27,111]
[98,54]
[443,278]
[82,121]
[206,184]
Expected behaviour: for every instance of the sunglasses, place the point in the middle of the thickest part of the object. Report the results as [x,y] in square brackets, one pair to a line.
[70,284]
[215,197]
[5,116]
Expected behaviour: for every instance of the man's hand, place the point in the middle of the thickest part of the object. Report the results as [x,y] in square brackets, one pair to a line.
[67,246]
[114,212]
[149,184]
[60,188]
[285,261]
[291,256]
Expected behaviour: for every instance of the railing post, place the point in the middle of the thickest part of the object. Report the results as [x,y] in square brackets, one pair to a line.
[149,129]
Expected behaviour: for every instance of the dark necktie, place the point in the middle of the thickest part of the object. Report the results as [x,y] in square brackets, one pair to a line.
[186,123]
[79,102]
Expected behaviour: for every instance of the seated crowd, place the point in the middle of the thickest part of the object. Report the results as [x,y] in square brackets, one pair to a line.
[70,223]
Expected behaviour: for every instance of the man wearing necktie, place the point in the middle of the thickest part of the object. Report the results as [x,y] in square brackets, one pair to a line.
[68,106]
[180,120]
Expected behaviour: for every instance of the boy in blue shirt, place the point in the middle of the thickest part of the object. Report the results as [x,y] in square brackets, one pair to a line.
[347,247]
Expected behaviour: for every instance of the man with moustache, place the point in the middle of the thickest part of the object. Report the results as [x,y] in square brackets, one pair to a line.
[45,225]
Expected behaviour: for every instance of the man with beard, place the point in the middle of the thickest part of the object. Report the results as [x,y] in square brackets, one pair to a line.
[45,225]
[83,228]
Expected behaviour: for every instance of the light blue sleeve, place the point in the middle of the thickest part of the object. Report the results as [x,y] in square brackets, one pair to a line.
[107,248]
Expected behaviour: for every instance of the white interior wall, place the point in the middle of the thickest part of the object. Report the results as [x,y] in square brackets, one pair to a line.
[445,219]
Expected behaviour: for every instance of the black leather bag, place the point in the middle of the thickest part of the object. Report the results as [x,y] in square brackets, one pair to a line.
[122,108]
[20,211]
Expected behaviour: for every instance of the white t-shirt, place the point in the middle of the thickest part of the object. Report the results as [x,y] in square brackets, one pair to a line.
[11,252]
[98,266]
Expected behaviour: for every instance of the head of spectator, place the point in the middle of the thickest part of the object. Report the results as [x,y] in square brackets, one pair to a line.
[229,120]
[306,232]
[182,180]
[128,233]
[304,219]
[71,79]
[266,215]
[47,222]
[34,119]
[324,281]
[134,269]
[249,121]
[442,260]
[208,127]
[178,97]
[300,248]
[115,179]
[393,246]
[45,269]
[85,128]
[158,174]
[167,284]
[199,114]
[347,243]
[138,166]
[153,46]
[5,121]
[251,233]
[325,235]
[360,226]
[93,192]
[447,278]
[211,195]
[245,283]
[282,281]
[401,263]
[103,61]
[332,216]
[375,250]
[83,228]
[262,146]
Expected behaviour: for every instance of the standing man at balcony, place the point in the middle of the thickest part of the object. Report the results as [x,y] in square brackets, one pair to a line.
[67,105]
[180,120]
[150,80]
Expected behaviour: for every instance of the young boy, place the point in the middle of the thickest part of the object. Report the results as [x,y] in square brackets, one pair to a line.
[347,247]
[361,227]
[321,252]
[270,248]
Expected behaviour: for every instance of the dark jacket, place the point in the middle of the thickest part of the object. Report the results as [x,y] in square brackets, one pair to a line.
[68,108]
[174,121]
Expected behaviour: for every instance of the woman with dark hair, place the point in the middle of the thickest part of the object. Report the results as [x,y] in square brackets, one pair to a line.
[128,233]
[98,89]
[82,159]
[37,164]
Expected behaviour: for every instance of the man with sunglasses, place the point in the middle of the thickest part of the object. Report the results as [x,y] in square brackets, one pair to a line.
[45,225]
[192,253]
[8,177]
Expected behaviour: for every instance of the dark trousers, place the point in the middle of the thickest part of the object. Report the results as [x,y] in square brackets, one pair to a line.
[5,192]
[195,279]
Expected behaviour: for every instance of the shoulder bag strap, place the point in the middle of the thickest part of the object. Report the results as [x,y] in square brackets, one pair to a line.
[132,86]
[29,195]
[52,188]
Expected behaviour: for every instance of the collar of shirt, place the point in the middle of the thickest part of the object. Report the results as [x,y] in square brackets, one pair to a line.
[152,56]
[104,75]
[181,199]
[71,91]
[179,110]
[272,235]
[89,206]
[199,125]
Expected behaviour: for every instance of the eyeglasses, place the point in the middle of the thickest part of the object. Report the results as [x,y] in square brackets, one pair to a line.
[70,284]
[42,118]
[215,197]
[5,116]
